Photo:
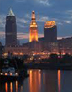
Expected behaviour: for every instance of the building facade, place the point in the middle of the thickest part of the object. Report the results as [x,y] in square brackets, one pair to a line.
[33,35]
[11,30]
[65,45]
[1,50]
[19,50]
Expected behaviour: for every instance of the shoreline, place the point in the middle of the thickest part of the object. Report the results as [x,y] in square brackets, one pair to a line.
[46,66]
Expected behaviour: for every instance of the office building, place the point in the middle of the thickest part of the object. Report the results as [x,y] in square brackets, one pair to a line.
[50,31]
[11,29]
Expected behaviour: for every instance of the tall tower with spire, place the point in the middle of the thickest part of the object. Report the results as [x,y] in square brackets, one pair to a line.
[33,35]
[11,29]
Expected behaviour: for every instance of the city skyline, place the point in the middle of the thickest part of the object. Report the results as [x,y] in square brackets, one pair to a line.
[50,10]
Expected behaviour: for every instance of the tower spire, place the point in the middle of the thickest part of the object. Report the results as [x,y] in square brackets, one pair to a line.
[33,15]
[11,13]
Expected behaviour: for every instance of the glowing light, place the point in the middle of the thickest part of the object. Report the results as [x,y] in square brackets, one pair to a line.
[5,54]
[15,53]
[10,73]
[49,24]
[39,70]
[59,80]
[39,78]
[1,73]
[21,53]
[34,81]
[6,87]
[11,87]
[30,80]
[33,36]
[6,74]
[17,74]
[16,86]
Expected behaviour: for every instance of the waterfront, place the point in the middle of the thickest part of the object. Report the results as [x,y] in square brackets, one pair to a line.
[41,81]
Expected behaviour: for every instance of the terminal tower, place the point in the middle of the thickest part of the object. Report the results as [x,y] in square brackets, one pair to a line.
[33,35]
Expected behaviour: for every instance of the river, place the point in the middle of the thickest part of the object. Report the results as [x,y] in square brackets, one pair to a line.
[41,81]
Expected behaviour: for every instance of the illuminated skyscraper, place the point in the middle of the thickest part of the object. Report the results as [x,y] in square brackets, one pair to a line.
[50,31]
[11,29]
[33,36]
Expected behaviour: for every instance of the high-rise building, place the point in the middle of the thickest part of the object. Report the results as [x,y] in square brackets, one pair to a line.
[11,29]
[33,36]
[50,31]
[1,49]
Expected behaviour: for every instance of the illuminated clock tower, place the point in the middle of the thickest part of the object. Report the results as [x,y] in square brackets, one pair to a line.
[33,35]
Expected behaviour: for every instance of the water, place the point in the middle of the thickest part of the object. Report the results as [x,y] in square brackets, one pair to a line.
[41,81]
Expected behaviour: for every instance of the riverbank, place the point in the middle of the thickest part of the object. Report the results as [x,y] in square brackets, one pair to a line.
[49,66]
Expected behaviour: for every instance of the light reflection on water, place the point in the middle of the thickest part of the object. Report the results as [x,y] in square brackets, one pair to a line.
[59,80]
[34,81]
[41,81]
[6,87]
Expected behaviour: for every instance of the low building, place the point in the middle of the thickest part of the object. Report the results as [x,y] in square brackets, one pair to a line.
[65,45]
[18,50]
[33,46]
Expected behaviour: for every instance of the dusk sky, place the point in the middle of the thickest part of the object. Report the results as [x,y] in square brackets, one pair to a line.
[45,10]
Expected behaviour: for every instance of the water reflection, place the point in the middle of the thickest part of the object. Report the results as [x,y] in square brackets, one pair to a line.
[49,81]
[11,86]
[16,86]
[59,80]
[34,81]
[6,87]
[41,81]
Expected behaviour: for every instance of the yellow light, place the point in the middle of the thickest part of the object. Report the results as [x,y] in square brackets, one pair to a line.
[6,87]
[16,86]
[10,73]
[1,73]
[15,53]
[59,80]
[21,53]
[5,54]
[49,24]
[11,87]
[33,36]
[17,74]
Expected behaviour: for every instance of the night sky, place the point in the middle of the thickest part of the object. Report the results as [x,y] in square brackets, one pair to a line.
[45,10]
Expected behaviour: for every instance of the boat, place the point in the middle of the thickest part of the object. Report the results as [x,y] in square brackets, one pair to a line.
[10,72]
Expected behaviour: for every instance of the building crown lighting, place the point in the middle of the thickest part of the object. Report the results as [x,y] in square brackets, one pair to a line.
[11,13]
[33,29]
[49,24]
